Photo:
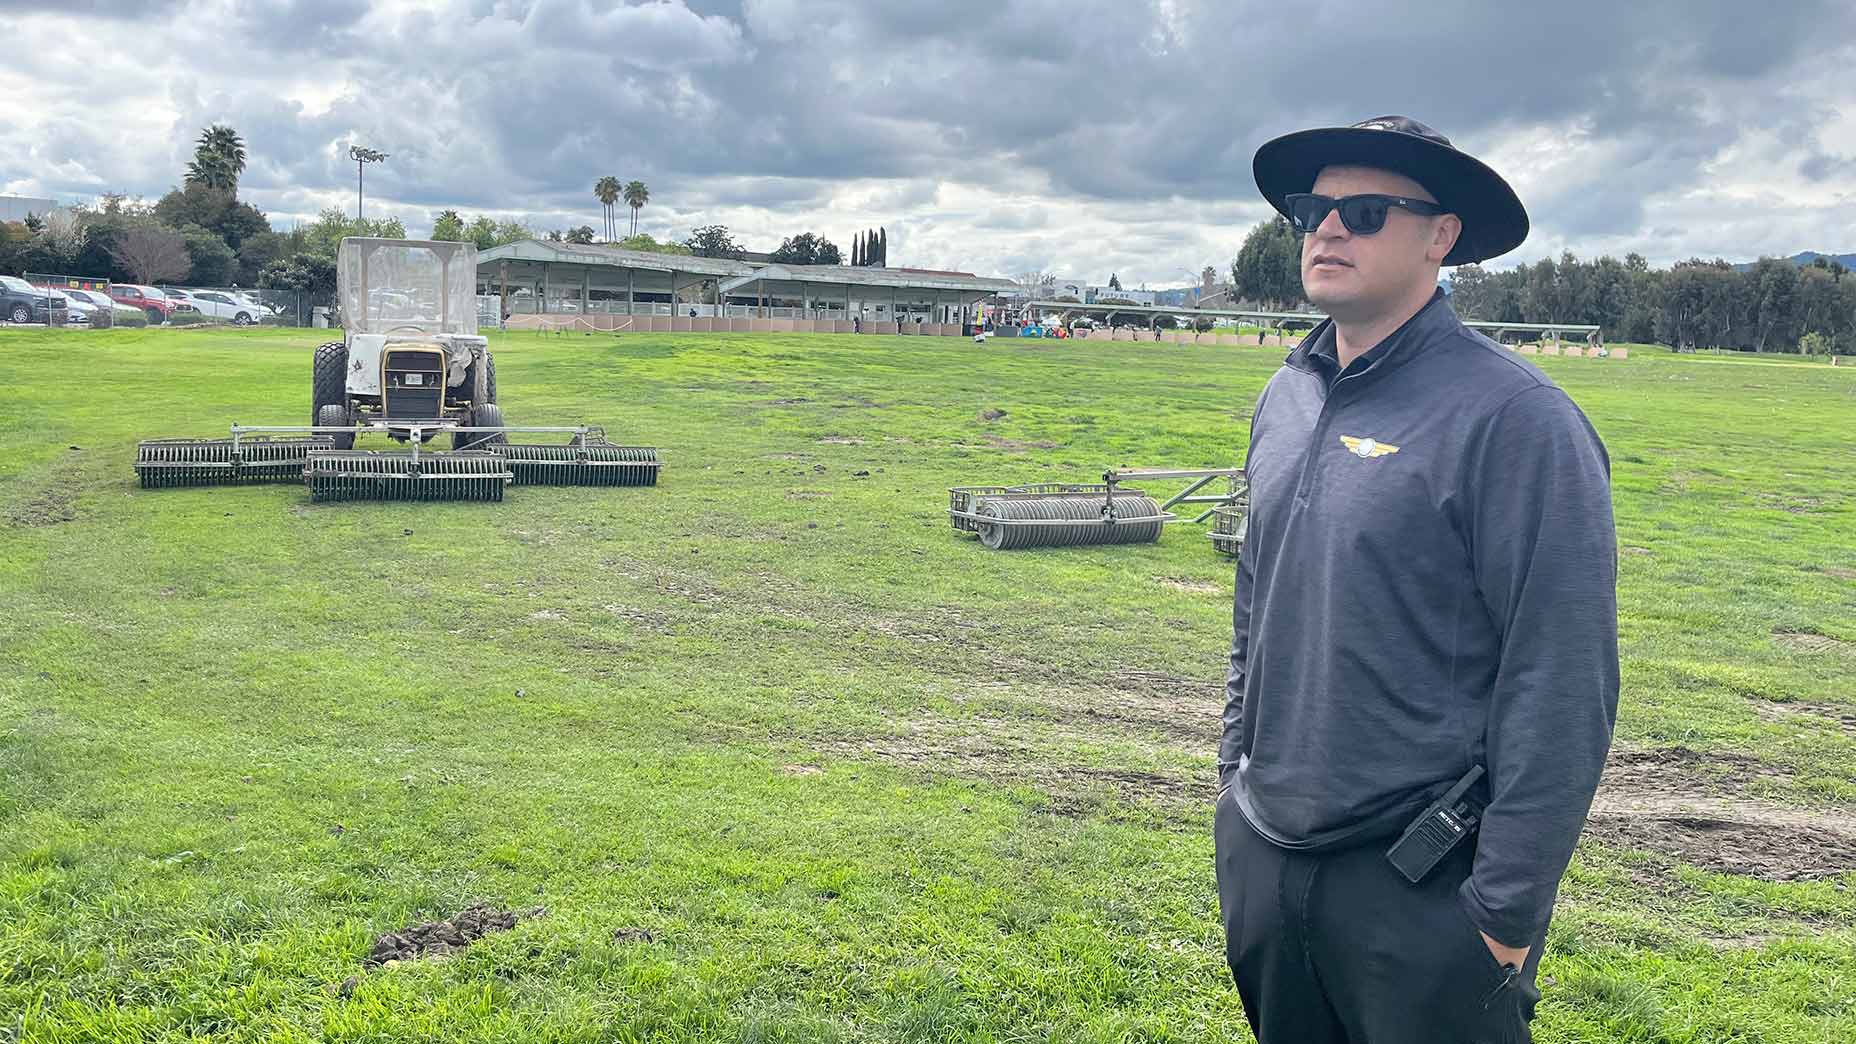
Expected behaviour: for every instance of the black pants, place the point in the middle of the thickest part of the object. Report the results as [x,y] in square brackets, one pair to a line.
[1338,947]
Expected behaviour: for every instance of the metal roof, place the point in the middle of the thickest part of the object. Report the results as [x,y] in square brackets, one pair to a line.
[864,276]
[616,257]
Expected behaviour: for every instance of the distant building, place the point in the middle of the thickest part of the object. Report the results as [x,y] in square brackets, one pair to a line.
[18,208]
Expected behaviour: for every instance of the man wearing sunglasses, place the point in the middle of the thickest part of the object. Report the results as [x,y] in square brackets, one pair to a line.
[1423,674]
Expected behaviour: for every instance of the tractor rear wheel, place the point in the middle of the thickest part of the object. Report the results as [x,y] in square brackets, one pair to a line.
[335,415]
[329,379]
[489,377]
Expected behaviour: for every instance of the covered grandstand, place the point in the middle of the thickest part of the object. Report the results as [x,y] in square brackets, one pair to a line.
[550,284]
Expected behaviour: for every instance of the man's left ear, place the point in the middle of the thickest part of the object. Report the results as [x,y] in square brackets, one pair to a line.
[1443,237]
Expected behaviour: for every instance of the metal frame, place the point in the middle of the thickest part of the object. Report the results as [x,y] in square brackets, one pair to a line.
[1108,488]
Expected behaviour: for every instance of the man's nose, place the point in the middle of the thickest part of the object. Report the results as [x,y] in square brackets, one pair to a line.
[1332,227]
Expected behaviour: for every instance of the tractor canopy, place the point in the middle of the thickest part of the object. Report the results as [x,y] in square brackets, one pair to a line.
[406,286]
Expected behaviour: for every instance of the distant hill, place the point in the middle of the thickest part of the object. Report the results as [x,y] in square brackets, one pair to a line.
[1805,257]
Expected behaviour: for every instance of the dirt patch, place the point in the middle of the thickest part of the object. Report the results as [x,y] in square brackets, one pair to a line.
[1016,444]
[1840,573]
[49,508]
[990,414]
[1745,845]
[1693,806]
[547,614]
[1829,715]
[1807,641]
[801,770]
[1070,786]
[841,440]
[1630,550]
[436,938]
[1181,583]
[789,402]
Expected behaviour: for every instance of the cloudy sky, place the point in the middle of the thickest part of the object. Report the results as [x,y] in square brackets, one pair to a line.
[996,136]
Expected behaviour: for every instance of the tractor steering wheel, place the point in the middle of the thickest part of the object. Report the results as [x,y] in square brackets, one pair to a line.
[405,326]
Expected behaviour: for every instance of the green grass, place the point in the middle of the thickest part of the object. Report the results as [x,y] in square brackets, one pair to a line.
[860,778]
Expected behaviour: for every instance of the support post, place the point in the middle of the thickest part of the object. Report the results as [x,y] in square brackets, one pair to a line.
[631,291]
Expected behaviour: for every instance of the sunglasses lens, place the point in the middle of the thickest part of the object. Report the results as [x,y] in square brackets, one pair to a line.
[1363,215]
[1307,212]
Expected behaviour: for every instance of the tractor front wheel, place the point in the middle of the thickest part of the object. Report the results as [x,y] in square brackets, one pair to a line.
[489,415]
[336,415]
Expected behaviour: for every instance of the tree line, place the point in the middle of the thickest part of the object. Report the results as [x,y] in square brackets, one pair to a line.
[1772,305]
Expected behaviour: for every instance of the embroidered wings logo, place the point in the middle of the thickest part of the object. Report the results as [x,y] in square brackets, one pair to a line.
[1366,447]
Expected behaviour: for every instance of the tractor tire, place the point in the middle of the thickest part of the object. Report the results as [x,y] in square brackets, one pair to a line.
[488,415]
[335,415]
[329,378]
[489,378]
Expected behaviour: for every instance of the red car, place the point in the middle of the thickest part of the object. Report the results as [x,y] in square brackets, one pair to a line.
[159,306]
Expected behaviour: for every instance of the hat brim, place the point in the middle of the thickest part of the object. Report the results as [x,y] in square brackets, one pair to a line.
[1494,221]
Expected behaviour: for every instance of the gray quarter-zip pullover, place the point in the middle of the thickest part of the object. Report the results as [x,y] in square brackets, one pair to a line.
[1428,583]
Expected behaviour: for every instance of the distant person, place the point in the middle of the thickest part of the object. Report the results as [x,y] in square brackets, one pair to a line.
[1426,602]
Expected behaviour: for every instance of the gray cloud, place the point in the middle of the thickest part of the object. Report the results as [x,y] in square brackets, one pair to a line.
[989,134]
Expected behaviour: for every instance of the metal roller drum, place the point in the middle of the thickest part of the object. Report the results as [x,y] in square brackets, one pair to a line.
[595,464]
[394,475]
[1067,521]
[163,463]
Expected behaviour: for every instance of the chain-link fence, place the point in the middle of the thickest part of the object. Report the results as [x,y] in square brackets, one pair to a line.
[99,304]
[238,306]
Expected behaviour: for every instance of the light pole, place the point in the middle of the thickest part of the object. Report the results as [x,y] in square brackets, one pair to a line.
[362,157]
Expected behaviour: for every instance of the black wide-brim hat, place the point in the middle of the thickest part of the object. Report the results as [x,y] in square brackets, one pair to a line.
[1494,221]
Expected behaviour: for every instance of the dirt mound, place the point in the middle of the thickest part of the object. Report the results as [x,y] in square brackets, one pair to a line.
[434,938]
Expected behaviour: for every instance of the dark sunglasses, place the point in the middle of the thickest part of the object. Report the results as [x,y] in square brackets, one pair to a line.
[1363,215]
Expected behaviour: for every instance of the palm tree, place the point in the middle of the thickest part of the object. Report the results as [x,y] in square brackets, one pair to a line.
[636,196]
[607,191]
[218,159]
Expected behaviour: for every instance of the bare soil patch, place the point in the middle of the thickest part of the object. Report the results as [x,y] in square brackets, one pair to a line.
[436,938]
[1182,583]
[1807,641]
[1828,715]
[1693,806]
[1016,444]
[49,508]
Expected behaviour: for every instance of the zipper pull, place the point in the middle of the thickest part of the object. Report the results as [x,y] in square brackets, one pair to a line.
[1509,972]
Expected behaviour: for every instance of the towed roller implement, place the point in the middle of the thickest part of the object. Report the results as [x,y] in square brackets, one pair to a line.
[405,475]
[1071,515]
[163,463]
[315,455]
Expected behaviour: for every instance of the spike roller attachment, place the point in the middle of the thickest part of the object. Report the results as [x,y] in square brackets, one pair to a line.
[1229,526]
[162,463]
[595,463]
[402,475]
[1067,521]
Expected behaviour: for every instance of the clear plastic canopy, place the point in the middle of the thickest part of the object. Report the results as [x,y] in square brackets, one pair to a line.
[407,286]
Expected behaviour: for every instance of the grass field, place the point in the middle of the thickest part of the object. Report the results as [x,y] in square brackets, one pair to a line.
[785,759]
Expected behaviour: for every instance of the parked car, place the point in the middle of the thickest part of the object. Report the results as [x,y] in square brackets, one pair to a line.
[77,312]
[21,302]
[219,304]
[119,314]
[263,307]
[157,305]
